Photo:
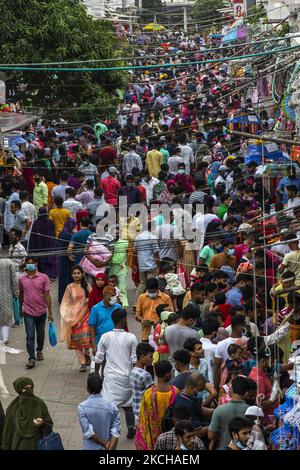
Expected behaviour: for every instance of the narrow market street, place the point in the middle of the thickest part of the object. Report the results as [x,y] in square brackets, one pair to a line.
[58,381]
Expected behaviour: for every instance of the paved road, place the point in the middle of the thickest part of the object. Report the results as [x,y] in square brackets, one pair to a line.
[57,380]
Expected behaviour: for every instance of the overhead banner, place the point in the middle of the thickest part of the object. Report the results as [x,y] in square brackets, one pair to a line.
[238,8]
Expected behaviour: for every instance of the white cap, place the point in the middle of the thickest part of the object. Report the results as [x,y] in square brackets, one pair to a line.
[112,169]
[254,411]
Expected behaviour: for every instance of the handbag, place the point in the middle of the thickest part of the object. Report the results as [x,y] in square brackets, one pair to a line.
[50,442]
[52,334]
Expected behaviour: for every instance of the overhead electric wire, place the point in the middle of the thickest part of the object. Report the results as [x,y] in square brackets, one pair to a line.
[140,67]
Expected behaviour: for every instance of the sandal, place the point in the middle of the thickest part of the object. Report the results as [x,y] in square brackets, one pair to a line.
[87,359]
[82,368]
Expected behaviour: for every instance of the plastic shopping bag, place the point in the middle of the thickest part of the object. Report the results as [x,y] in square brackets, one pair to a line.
[52,334]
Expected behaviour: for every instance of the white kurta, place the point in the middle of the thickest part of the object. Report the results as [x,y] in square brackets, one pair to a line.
[119,349]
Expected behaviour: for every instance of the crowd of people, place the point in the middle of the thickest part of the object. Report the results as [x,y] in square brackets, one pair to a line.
[162,198]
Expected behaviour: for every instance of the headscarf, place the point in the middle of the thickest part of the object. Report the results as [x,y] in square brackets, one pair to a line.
[22,382]
[79,216]
[20,432]
[69,225]
[96,294]
[171,183]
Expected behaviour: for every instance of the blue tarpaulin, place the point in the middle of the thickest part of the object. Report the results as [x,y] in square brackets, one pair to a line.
[269,151]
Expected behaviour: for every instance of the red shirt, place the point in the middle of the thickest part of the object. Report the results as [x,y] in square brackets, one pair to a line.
[264,387]
[110,187]
[143,194]
[227,322]
[240,251]
[224,309]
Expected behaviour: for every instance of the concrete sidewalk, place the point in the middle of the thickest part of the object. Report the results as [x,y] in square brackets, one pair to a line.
[57,380]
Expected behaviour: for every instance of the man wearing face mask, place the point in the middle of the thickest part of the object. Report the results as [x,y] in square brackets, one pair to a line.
[100,319]
[221,279]
[239,429]
[226,258]
[234,296]
[130,192]
[146,307]
[88,169]
[40,192]
[118,348]
[35,301]
[188,398]
[223,172]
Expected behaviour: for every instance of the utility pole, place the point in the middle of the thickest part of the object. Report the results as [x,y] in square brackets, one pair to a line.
[185,20]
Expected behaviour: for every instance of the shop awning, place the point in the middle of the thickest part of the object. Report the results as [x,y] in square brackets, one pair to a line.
[12,121]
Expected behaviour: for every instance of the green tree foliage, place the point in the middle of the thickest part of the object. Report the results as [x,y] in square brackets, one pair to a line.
[206,9]
[35,31]
[255,14]
[152,4]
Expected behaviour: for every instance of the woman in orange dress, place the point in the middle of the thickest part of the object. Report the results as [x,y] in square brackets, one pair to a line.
[74,312]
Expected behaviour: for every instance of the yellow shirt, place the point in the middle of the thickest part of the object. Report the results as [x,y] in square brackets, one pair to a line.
[291,261]
[59,216]
[154,160]
[146,307]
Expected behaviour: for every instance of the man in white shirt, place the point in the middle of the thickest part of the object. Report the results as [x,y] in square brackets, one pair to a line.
[131,160]
[174,161]
[70,203]
[186,154]
[118,348]
[221,179]
[149,182]
[28,208]
[293,200]
[209,328]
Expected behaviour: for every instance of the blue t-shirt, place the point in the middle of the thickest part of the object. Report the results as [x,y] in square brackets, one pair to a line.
[100,318]
[79,240]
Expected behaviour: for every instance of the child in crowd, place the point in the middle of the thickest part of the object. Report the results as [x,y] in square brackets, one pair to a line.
[197,274]
[113,281]
[174,287]
[234,351]
[207,393]
[220,305]
[226,389]
[167,318]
